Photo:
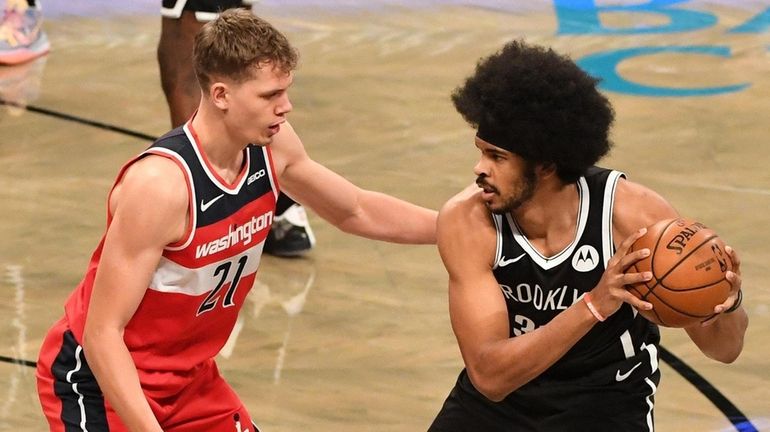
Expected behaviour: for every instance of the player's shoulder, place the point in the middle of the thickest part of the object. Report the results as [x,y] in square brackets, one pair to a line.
[154,167]
[465,231]
[637,206]
[465,211]
[156,178]
[465,202]
[630,194]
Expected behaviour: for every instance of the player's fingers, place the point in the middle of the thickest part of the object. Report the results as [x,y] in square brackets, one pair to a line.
[735,280]
[734,258]
[624,247]
[626,244]
[636,302]
[728,303]
[632,278]
[718,309]
[632,258]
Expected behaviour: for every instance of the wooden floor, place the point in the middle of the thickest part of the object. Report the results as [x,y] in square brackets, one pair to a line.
[356,336]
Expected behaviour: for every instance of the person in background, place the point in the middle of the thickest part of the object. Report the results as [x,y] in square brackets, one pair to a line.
[21,34]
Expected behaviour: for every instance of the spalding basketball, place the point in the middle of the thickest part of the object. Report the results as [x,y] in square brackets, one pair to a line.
[688,262]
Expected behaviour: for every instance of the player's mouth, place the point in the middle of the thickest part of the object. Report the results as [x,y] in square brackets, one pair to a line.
[488,191]
[275,128]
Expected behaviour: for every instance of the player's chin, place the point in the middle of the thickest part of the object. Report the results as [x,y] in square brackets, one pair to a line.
[263,139]
[495,207]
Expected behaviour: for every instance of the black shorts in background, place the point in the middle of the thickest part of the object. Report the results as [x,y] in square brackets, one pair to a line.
[205,10]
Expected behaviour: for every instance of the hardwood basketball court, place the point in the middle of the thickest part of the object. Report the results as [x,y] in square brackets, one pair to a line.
[356,336]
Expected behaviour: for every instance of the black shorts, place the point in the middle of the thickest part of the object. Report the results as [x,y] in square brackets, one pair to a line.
[205,10]
[553,407]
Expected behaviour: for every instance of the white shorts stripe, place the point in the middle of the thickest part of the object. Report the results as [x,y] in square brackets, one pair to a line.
[650,404]
[78,365]
[627,344]
[174,12]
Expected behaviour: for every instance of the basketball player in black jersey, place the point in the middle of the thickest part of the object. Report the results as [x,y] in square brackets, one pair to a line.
[537,254]
[291,234]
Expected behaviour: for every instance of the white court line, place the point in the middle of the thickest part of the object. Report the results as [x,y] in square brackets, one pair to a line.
[753,191]
[14,276]
[292,307]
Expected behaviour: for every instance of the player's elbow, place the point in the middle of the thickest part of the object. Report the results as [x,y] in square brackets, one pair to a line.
[90,340]
[726,354]
[96,338]
[728,347]
[488,384]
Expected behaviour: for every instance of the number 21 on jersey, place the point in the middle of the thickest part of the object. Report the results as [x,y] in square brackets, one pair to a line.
[221,275]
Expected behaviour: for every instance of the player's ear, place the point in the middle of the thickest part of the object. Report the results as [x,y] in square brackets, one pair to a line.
[219,92]
[545,170]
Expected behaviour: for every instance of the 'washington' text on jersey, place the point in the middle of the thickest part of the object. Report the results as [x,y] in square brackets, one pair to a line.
[235,235]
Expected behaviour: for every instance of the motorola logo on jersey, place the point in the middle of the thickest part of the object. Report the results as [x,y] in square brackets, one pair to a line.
[235,235]
[585,259]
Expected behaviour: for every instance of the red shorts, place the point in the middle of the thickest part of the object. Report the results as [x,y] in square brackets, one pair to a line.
[71,398]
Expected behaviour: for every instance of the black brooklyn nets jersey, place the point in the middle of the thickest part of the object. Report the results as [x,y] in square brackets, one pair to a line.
[604,382]
[536,288]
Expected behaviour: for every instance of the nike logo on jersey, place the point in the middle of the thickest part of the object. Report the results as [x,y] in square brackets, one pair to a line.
[622,377]
[205,205]
[504,262]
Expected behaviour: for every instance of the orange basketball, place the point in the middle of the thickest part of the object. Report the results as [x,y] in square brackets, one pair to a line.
[688,262]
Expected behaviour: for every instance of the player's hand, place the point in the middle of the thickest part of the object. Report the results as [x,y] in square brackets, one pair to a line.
[734,277]
[610,293]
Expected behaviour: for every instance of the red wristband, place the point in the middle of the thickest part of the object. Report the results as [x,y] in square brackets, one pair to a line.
[594,312]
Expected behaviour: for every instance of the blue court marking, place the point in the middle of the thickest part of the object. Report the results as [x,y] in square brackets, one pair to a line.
[604,65]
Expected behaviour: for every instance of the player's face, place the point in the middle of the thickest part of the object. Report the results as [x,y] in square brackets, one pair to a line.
[507,180]
[259,106]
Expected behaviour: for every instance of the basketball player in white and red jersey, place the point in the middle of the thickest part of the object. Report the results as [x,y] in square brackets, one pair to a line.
[537,258]
[186,224]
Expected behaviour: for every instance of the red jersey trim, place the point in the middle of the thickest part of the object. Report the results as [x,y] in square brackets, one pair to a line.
[159,151]
[231,188]
[271,169]
[191,210]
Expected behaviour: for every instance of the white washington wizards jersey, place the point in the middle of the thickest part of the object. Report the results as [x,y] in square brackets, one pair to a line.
[537,288]
[199,285]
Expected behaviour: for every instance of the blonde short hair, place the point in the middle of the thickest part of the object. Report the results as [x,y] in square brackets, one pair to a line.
[235,43]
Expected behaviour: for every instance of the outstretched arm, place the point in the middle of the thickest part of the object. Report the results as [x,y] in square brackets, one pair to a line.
[148,207]
[352,209]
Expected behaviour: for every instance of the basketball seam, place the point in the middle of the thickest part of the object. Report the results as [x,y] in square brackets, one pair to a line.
[660,281]
[684,258]
[654,252]
[693,288]
[680,311]
[652,260]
